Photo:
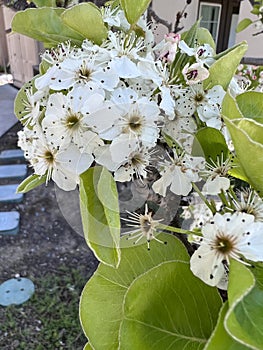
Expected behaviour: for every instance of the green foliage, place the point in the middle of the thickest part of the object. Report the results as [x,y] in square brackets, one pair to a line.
[101,224]
[149,284]
[30,183]
[244,317]
[220,339]
[45,3]
[246,134]
[86,20]
[227,63]
[250,104]
[243,24]
[51,31]
[210,143]
[134,9]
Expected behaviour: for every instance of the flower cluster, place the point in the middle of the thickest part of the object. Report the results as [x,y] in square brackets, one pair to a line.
[131,105]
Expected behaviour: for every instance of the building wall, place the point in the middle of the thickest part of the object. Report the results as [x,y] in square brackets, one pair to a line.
[255,43]
[167,10]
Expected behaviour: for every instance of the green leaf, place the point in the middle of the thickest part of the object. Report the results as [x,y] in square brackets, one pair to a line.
[210,143]
[230,107]
[168,308]
[250,104]
[243,24]
[249,152]
[227,63]
[21,99]
[101,304]
[204,37]
[244,317]
[101,224]
[133,9]
[86,19]
[30,183]
[220,339]
[45,24]
[88,347]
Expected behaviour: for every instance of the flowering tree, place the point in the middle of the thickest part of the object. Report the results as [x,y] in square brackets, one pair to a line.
[170,121]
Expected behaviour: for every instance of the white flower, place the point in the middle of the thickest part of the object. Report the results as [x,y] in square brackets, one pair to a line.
[129,121]
[144,227]
[63,166]
[194,73]
[32,110]
[181,130]
[226,237]
[249,202]
[216,175]
[125,51]
[206,103]
[64,121]
[203,53]
[79,71]
[179,173]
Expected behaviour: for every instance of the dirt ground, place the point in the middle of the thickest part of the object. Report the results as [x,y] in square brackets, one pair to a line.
[45,239]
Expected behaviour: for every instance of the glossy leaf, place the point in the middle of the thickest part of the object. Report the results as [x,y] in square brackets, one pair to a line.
[101,225]
[243,24]
[230,107]
[101,304]
[45,24]
[168,308]
[133,9]
[204,37]
[220,339]
[247,151]
[227,63]
[243,320]
[86,19]
[30,183]
[210,143]
[250,104]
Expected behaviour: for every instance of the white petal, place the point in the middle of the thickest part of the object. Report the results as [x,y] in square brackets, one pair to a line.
[214,186]
[207,266]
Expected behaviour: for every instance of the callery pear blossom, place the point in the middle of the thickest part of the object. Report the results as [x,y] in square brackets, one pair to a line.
[228,236]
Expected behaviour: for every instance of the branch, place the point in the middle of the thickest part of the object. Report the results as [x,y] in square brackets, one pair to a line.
[157,19]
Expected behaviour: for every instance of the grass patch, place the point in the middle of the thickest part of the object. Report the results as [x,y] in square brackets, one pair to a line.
[50,319]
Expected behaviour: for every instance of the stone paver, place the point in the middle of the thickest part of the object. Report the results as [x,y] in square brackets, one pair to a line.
[11,156]
[8,194]
[14,171]
[9,222]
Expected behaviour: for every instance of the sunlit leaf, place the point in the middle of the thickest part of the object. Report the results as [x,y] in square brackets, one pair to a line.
[30,183]
[101,305]
[101,224]
[86,19]
[133,9]
[45,24]
[210,143]
[220,339]
[250,104]
[227,64]
[243,320]
[168,308]
[243,24]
